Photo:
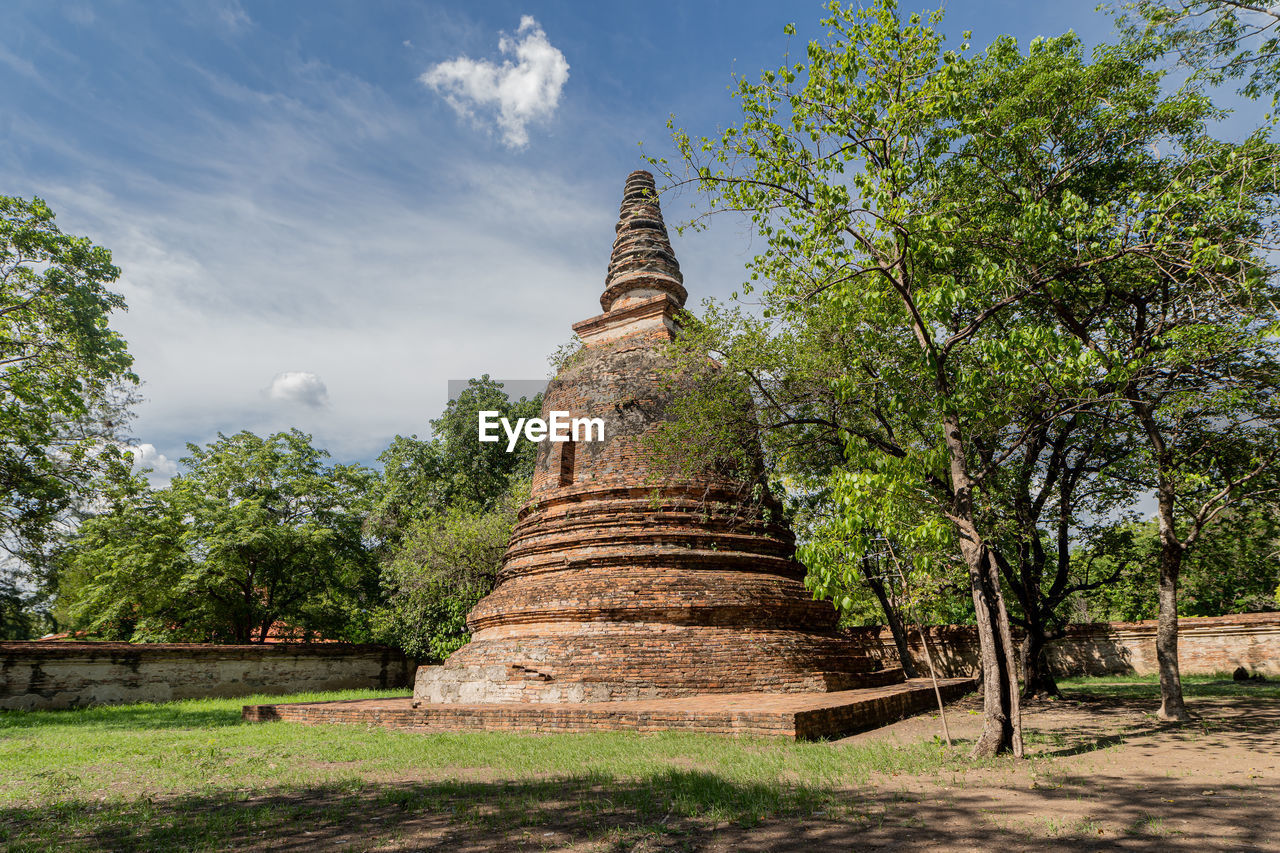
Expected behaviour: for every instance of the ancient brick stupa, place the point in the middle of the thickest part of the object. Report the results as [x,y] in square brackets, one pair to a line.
[617,588]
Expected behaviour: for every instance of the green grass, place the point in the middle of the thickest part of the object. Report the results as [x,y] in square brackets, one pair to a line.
[1217,685]
[192,775]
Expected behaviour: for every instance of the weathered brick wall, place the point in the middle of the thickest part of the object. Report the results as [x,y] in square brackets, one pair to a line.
[1205,645]
[70,675]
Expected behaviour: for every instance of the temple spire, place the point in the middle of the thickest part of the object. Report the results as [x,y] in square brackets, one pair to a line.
[642,264]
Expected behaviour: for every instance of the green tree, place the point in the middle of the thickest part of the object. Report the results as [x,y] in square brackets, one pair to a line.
[1108,202]
[1234,569]
[1220,39]
[442,514]
[1066,475]
[841,163]
[444,565]
[64,375]
[1000,235]
[423,477]
[257,532]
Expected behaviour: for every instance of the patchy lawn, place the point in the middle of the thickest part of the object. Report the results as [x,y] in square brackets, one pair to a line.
[1104,774]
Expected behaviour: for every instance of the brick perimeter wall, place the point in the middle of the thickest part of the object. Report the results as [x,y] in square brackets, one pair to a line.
[1206,645]
[70,675]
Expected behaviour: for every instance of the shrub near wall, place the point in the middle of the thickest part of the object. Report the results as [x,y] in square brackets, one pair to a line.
[69,675]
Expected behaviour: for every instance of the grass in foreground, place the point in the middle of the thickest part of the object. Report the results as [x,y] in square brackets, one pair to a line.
[192,775]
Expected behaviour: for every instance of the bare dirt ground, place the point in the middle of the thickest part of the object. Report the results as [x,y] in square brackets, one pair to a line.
[1104,775]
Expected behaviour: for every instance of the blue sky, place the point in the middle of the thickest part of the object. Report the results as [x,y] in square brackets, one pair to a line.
[326,211]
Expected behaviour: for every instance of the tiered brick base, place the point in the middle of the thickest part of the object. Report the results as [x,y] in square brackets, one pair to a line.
[803,716]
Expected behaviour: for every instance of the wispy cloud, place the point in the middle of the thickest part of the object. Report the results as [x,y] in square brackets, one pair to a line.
[513,93]
[232,16]
[299,386]
[18,64]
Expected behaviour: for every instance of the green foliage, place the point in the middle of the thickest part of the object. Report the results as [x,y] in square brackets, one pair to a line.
[905,345]
[1233,569]
[1219,39]
[442,567]
[1043,288]
[424,477]
[442,514]
[257,532]
[63,375]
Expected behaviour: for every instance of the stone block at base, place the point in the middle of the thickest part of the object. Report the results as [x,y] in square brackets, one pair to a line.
[801,716]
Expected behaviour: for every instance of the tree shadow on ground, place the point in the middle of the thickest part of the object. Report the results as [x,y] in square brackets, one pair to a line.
[671,810]
[1255,725]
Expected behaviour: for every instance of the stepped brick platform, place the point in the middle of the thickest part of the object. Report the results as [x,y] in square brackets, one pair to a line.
[802,716]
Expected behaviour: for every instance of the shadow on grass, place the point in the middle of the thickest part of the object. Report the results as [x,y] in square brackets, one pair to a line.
[177,715]
[673,809]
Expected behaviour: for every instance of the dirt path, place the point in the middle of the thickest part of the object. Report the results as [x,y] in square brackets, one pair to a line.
[1106,775]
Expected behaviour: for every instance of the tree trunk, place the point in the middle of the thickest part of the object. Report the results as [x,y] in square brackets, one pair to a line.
[997,719]
[894,621]
[1171,704]
[1037,678]
[1001,726]
[1009,654]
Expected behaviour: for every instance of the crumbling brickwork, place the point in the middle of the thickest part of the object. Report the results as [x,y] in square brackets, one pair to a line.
[618,587]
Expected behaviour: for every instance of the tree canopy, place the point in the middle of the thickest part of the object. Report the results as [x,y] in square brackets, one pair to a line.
[64,379]
[949,235]
[258,533]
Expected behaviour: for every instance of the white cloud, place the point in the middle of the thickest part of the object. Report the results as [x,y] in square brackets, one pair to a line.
[519,92]
[299,386]
[162,468]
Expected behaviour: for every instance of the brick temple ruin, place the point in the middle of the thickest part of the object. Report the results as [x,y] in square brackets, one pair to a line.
[614,587]
[631,600]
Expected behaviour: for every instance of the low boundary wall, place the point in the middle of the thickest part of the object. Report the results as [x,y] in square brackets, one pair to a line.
[1206,644]
[70,675]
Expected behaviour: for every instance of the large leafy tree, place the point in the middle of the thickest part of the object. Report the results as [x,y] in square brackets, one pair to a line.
[64,375]
[1147,240]
[257,532]
[840,162]
[957,213]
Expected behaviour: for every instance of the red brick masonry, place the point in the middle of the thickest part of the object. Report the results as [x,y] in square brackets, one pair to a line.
[1206,645]
[802,716]
[624,580]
